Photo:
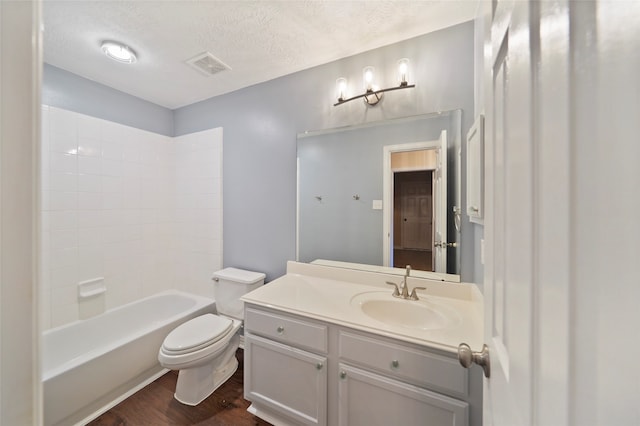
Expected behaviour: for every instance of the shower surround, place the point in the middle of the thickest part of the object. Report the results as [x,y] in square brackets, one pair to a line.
[141,210]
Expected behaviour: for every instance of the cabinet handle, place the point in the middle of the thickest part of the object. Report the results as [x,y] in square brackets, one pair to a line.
[319,366]
[343,374]
[395,363]
[280,330]
[474,209]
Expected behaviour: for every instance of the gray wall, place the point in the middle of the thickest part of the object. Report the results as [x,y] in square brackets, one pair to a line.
[261,123]
[69,91]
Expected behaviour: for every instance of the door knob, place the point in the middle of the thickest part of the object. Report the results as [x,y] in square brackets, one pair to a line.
[467,357]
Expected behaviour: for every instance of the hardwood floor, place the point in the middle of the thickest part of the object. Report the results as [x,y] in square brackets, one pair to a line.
[418,259]
[154,405]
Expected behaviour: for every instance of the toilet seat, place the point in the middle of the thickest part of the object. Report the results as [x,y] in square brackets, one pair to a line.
[196,334]
[207,344]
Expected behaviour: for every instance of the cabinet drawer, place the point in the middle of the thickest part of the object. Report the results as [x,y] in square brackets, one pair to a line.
[411,365]
[292,331]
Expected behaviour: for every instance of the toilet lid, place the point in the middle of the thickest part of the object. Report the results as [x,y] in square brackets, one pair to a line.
[197,333]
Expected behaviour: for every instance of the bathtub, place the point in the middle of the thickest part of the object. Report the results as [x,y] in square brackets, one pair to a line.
[89,366]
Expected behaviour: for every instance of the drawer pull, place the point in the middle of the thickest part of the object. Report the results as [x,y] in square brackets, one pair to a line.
[319,366]
[280,330]
[395,363]
[343,374]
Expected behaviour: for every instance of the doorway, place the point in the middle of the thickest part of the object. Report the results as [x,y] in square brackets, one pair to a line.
[413,219]
[415,205]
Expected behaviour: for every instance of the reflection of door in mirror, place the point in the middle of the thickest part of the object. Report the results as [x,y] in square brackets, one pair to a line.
[416,207]
[413,219]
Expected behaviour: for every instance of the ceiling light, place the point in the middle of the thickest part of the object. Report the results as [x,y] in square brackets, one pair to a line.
[119,52]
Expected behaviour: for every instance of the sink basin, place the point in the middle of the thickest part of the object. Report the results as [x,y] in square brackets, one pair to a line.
[415,314]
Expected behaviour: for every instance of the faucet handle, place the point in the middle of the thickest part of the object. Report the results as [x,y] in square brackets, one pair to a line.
[396,291]
[408,270]
[413,295]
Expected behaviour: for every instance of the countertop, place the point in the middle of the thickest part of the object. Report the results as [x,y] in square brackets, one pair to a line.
[311,292]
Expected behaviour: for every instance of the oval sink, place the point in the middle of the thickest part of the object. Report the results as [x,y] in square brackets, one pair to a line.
[416,314]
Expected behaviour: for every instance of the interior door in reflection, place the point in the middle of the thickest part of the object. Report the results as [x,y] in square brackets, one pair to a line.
[413,214]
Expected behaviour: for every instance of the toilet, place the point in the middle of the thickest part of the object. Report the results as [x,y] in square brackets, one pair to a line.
[203,349]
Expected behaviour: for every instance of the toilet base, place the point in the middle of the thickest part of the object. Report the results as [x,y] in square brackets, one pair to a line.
[196,384]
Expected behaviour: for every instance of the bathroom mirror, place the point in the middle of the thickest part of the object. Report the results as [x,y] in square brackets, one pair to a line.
[383,195]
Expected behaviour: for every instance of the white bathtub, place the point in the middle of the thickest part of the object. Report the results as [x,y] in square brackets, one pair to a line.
[91,365]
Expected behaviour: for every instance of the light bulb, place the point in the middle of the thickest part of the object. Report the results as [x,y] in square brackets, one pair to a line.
[403,72]
[367,76]
[341,88]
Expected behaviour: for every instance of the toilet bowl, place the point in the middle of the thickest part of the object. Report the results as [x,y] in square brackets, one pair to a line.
[203,349]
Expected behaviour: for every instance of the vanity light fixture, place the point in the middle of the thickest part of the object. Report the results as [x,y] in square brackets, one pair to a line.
[119,52]
[372,94]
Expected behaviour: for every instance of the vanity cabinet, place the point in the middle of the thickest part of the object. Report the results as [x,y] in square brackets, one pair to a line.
[280,377]
[304,371]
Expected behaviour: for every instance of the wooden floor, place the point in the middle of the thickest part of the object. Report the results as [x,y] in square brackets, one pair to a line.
[418,259]
[155,406]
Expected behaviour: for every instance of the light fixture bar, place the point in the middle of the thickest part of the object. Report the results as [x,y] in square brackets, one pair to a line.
[374,93]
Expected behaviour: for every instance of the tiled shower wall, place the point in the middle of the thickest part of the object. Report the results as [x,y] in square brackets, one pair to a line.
[139,209]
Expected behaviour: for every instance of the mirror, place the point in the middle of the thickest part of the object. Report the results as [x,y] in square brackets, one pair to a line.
[383,195]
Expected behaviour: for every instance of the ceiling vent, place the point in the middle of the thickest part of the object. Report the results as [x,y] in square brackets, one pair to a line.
[207,64]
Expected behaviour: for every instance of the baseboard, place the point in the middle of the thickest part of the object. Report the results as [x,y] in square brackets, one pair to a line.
[122,396]
[268,416]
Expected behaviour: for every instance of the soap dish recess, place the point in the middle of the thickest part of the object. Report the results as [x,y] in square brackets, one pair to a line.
[91,288]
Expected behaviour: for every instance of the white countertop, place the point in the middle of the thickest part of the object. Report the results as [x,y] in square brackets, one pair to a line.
[306,290]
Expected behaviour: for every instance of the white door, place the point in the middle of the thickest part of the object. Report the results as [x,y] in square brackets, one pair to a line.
[527,234]
[509,231]
[440,206]
[416,211]
[562,196]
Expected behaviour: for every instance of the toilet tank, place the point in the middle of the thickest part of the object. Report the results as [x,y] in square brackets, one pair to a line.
[230,284]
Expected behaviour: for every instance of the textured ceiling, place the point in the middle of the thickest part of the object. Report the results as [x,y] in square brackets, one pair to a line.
[259,40]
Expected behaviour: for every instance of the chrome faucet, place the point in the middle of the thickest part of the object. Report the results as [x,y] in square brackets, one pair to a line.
[403,291]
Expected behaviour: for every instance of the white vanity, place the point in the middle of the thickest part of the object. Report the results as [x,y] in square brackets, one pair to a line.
[331,346]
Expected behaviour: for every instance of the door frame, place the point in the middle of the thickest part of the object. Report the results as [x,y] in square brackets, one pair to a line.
[21,88]
[387,191]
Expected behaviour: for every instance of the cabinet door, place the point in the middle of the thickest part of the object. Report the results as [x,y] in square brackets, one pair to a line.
[369,399]
[475,175]
[286,380]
